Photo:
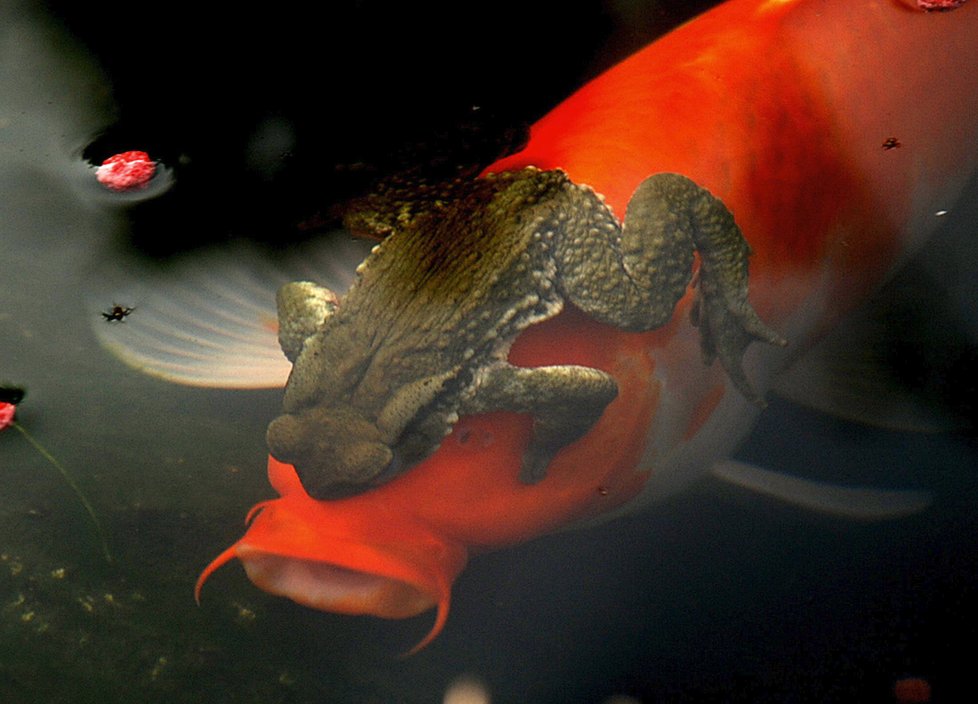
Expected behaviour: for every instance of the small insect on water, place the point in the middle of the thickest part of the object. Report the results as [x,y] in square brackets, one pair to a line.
[117,313]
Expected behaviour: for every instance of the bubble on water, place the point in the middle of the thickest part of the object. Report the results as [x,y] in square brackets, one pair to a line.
[467,690]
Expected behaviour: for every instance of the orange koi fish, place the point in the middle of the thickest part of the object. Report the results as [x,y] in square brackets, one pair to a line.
[835,131]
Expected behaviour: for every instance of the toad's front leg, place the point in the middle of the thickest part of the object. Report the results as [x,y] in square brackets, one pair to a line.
[564,400]
[633,275]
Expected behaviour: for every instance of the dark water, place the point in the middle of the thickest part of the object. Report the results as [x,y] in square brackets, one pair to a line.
[717,595]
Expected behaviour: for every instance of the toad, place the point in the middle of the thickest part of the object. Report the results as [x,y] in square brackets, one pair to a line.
[380,377]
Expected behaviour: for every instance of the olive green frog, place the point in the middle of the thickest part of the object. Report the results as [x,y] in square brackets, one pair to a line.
[380,376]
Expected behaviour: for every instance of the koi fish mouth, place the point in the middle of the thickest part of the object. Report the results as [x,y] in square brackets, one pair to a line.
[331,588]
[324,555]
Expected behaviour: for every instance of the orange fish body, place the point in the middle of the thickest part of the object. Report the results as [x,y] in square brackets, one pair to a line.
[783,109]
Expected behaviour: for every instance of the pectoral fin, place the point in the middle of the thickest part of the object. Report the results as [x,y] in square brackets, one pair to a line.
[854,372]
[210,319]
[859,503]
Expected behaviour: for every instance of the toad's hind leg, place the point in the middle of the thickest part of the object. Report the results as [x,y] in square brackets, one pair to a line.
[633,275]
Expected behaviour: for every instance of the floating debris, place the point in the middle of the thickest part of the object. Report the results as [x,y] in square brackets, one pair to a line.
[161,663]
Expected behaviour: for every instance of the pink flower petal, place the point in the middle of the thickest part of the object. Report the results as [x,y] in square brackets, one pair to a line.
[6,414]
[126,171]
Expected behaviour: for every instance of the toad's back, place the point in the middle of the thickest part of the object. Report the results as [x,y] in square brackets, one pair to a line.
[459,275]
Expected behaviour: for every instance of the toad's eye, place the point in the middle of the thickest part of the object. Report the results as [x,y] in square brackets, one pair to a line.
[393,469]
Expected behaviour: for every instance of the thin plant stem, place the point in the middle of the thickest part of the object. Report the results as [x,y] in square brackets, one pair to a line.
[71,482]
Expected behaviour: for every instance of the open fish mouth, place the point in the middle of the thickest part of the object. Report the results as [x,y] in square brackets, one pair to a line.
[332,588]
[324,555]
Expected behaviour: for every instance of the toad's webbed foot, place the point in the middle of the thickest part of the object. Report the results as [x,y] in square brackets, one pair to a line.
[691,214]
[564,400]
[728,324]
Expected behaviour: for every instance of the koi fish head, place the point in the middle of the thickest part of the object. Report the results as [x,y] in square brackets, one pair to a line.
[394,551]
[344,557]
